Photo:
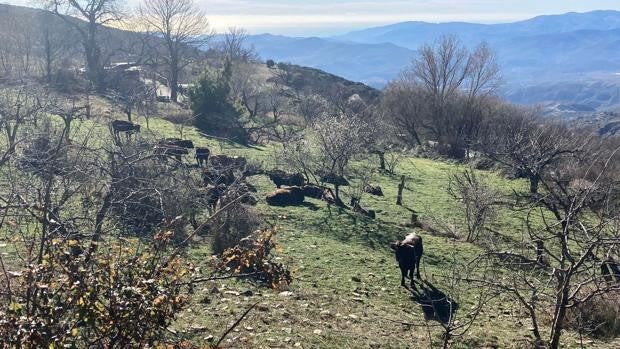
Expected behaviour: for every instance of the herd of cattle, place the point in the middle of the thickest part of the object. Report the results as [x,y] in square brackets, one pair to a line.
[224,177]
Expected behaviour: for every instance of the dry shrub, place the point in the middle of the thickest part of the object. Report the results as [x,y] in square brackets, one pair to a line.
[598,317]
[233,224]
[125,296]
[252,256]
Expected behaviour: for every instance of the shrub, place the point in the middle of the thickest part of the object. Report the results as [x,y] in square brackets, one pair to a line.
[232,225]
[126,295]
[252,256]
[597,317]
[210,100]
[479,201]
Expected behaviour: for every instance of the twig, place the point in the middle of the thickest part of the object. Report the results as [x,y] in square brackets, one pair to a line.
[217,345]
[212,278]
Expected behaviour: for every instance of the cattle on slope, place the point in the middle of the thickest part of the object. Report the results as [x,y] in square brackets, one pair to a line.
[202,156]
[280,178]
[290,196]
[408,254]
[122,126]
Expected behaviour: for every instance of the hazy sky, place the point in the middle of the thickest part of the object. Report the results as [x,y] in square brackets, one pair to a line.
[325,17]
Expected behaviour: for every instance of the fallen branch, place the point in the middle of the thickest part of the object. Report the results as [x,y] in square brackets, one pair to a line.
[217,345]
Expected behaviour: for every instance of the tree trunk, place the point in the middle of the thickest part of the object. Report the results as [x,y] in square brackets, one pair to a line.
[534,182]
[174,79]
[93,59]
[401,187]
[381,160]
[560,311]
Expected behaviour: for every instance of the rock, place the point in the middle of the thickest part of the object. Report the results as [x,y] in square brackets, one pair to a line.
[297,345]
[317,332]
[287,330]
[196,328]
[286,294]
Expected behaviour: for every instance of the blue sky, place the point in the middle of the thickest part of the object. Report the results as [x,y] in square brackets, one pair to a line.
[326,17]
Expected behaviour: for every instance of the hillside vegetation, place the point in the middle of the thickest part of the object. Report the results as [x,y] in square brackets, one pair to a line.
[210,200]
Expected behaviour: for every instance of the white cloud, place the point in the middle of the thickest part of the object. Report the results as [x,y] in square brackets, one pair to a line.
[323,16]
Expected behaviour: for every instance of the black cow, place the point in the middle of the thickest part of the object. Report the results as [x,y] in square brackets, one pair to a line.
[280,178]
[202,156]
[610,271]
[126,127]
[313,191]
[408,255]
[167,150]
[174,147]
[183,143]
[373,190]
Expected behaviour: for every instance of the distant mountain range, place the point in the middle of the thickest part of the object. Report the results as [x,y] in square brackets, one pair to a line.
[571,60]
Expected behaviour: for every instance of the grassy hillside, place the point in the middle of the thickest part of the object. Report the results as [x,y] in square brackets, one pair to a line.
[346,284]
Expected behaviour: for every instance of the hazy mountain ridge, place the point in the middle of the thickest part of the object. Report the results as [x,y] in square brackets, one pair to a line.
[536,55]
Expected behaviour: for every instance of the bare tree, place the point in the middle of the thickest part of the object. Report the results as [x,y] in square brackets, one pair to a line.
[478,199]
[234,45]
[523,142]
[442,94]
[183,26]
[19,107]
[574,224]
[96,13]
[338,139]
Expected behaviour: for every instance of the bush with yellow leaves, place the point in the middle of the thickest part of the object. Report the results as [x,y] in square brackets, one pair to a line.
[252,257]
[124,296]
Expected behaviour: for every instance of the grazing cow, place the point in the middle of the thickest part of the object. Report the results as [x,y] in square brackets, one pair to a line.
[408,254]
[355,205]
[202,156]
[214,193]
[373,190]
[174,147]
[291,196]
[610,271]
[167,150]
[127,127]
[334,179]
[313,191]
[280,178]
[183,143]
